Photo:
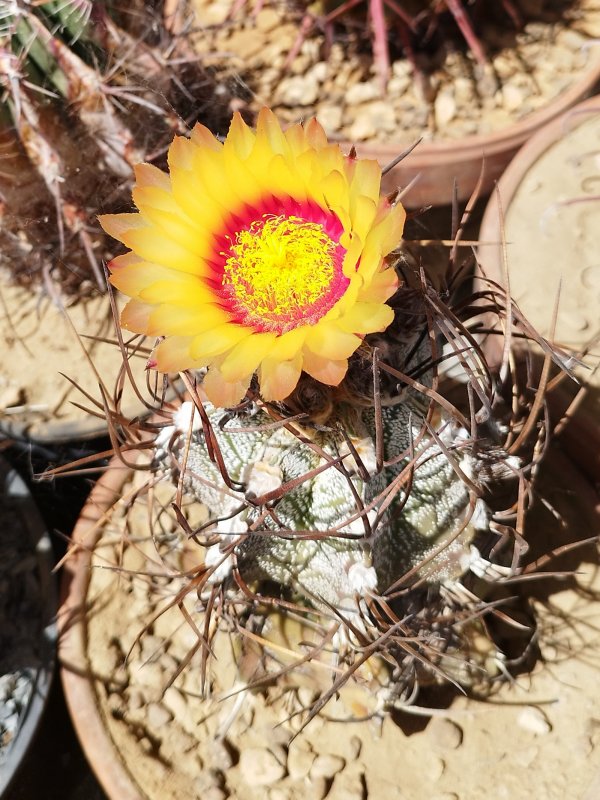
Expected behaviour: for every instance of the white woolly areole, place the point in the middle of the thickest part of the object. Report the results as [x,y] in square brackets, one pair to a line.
[229,529]
[222,565]
[262,478]
[357,525]
[181,424]
[362,578]
[183,416]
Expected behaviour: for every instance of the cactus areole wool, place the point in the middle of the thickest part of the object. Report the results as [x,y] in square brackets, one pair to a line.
[264,253]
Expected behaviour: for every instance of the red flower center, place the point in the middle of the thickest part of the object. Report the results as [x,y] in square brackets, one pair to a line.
[280,266]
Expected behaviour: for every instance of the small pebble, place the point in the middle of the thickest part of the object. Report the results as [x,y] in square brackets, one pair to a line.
[534,720]
[354,747]
[330,117]
[245,43]
[319,788]
[444,109]
[279,794]
[157,715]
[214,793]
[259,767]
[267,19]
[362,128]
[326,766]
[298,90]
[512,96]
[361,93]
[175,701]
[445,734]
[382,115]
[299,762]
[220,754]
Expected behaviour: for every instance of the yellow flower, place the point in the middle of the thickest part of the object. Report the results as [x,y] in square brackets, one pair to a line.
[264,252]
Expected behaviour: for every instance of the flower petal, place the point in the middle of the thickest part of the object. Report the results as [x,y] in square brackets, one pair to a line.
[240,138]
[278,379]
[149,175]
[154,283]
[136,316]
[246,356]
[222,393]
[367,318]
[288,344]
[202,137]
[329,341]
[119,225]
[165,320]
[216,341]
[155,246]
[173,354]
[381,287]
[324,369]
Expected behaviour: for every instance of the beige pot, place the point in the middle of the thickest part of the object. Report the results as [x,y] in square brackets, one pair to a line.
[520,736]
[50,349]
[436,165]
[549,202]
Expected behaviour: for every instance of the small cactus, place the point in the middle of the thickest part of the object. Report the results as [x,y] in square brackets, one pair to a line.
[343,486]
[83,100]
[308,513]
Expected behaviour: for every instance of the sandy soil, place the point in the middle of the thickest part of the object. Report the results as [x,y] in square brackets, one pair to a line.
[451,96]
[552,235]
[552,254]
[537,736]
[41,341]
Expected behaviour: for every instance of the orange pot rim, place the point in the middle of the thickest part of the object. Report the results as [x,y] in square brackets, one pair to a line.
[98,746]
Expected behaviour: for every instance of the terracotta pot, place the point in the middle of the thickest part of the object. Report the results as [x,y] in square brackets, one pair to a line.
[550,206]
[79,686]
[500,732]
[49,347]
[15,497]
[438,164]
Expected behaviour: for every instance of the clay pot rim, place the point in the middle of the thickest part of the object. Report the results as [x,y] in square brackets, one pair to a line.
[528,155]
[98,746]
[578,437]
[496,141]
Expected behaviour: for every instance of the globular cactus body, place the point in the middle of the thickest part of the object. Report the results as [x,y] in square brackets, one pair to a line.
[325,537]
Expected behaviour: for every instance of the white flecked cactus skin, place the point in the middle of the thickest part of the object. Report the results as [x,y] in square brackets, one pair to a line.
[334,533]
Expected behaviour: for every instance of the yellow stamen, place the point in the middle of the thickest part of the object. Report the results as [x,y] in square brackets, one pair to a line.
[280,267]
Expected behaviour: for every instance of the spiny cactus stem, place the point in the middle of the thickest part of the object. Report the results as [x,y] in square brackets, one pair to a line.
[459,13]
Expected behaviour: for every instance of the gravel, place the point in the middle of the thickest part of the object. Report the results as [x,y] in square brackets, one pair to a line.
[24,597]
[450,98]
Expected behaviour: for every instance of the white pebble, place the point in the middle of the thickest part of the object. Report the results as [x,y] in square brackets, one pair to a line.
[330,117]
[299,90]
[157,715]
[326,766]
[361,93]
[259,767]
[534,720]
[299,762]
[444,108]
[445,734]
[362,128]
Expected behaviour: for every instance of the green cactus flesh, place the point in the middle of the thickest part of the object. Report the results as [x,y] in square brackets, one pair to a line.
[324,537]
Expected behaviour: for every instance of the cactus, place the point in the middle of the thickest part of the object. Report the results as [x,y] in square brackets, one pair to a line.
[412,22]
[83,100]
[302,511]
[342,484]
